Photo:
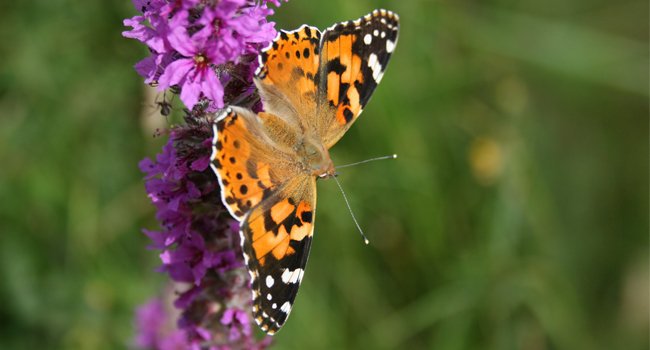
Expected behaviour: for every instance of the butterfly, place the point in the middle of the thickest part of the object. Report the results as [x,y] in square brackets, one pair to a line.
[313,86]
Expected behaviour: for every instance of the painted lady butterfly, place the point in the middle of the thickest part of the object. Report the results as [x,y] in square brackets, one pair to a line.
[314,86]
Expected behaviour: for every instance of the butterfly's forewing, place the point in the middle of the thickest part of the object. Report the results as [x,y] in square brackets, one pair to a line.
[278,233]
[287,76]
[246,161]
[353,58]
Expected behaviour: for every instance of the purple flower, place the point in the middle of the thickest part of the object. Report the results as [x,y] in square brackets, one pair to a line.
[193,71]
[194,43]
[154,328]
[150,319]
[238,322]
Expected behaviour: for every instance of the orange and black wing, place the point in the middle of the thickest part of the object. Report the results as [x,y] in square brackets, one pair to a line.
[277,235]
[323,81]
[275,203]
[248,163]
[287,76]
[353,58]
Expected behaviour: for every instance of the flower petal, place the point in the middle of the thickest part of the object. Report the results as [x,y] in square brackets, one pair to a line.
[181,42]
[211,87]
[175,73]
[190,93]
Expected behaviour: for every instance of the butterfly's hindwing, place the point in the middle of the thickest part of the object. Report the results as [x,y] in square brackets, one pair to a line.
[277,235]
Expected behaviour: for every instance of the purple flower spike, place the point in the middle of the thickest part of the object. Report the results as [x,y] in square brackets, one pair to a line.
[205,52]
[200,251]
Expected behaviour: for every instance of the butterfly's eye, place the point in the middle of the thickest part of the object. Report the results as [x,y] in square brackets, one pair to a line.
[314,157]
[311,150]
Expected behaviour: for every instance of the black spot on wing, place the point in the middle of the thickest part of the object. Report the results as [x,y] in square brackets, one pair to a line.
[348,115]
[366,88]
[306,216]
[335,66]
[269,224]
[266,193]
[343,94]
[297,72]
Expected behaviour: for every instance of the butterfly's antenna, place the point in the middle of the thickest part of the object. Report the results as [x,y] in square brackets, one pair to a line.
[365,239]
[392,156]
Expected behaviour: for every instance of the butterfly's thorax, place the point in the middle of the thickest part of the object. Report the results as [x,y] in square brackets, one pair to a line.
[315,159]
[306,145]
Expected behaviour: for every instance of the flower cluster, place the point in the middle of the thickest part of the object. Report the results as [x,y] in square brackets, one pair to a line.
[203,50]
[196,45]
[200,252]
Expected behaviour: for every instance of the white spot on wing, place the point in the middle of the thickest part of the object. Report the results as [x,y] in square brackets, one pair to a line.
[294,276]
[390,46]
[375,66]
[269,296]
[286,307]
[367,39]
[269,281]
[274,306]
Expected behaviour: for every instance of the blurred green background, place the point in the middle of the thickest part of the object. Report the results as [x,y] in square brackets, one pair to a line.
[516,216]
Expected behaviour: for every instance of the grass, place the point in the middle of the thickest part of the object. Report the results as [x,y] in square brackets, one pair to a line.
[516,216]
